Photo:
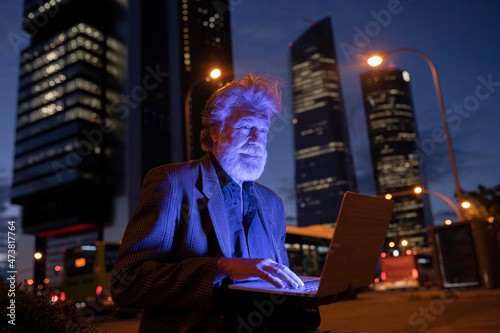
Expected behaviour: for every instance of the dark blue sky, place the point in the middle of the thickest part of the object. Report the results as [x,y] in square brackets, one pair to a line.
[462,37]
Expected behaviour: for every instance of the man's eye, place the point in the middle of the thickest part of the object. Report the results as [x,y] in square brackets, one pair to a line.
[264,130]
[245,127]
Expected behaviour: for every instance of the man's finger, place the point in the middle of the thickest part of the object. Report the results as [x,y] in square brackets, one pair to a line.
[294,276]
[284,274]
[278,283]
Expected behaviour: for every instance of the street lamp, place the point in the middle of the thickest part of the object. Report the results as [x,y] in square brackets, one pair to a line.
[457,211]
[377,60]
[418,190]
[215,73]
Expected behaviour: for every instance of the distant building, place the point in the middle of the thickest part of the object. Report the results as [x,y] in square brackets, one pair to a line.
[391,128]
[13,239]
[68,154]
[180,41]
[204,44]
[323,161]
[101,101]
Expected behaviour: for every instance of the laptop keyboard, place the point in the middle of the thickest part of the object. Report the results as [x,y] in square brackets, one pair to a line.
[308,286]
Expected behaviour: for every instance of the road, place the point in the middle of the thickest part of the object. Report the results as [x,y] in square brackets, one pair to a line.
[430,311]
[418,311]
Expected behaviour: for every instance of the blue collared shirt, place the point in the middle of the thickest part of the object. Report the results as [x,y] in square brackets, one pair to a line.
[248,235]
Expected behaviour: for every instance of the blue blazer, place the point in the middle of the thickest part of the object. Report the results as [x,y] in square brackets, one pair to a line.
[168,256]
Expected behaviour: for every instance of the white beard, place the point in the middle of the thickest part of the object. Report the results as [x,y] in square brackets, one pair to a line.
[245,163]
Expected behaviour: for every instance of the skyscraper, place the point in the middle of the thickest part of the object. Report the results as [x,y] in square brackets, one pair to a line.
[101,101]
[391,128]
[205,45]
[177,43]
[323,160]
[67,140]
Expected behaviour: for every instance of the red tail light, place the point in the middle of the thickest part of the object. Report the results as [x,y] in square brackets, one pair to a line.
[98,290]
[414,273]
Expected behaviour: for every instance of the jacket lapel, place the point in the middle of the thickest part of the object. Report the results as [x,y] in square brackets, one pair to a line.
[211,189]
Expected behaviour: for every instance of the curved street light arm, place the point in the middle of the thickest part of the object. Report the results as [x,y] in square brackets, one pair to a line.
[437,194]
[448,201]
[443,116]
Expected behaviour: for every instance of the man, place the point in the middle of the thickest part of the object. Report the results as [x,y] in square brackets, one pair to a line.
[202,224]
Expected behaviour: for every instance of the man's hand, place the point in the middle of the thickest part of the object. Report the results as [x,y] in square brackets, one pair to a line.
[242,269]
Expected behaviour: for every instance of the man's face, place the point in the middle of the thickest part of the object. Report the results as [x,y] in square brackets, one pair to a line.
[240,147]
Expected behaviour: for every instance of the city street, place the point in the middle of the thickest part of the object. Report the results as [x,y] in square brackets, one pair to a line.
[470,310]
[417,311]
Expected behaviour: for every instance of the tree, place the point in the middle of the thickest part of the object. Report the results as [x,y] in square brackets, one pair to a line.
[486,202]
[34,312]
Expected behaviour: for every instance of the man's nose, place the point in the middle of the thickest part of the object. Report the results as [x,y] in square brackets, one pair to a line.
[255,135]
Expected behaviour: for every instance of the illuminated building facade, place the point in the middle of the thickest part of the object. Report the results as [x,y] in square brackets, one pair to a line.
[323,161]
[205,44]
[391,127]
[195,38]
[101,101]
[68,154]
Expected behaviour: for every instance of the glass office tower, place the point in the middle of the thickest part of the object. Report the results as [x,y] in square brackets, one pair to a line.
[174,44]
[323,162]
[101,101]
[391,128]
[68,147]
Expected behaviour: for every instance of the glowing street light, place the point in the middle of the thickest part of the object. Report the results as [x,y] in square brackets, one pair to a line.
[375,61]
[214,74]
[466,204]
[37,256]
[419,190]
[378,59]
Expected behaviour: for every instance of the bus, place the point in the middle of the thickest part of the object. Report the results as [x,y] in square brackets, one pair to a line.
[307,248]
[412,269]
[87,272]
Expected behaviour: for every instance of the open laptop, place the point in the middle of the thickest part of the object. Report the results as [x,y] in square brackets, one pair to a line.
[353,254]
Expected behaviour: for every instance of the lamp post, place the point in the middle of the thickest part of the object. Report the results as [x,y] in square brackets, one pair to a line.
[377,60]
[418,190]
[215,73]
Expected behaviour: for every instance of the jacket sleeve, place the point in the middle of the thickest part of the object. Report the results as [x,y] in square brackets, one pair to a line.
[143,275]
